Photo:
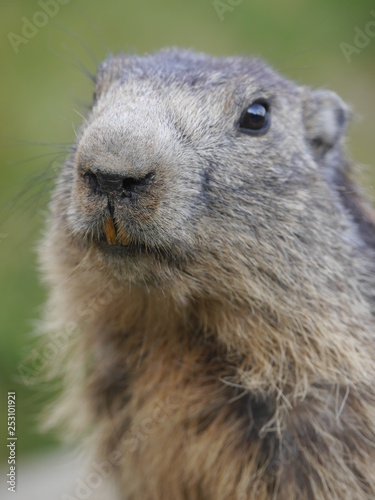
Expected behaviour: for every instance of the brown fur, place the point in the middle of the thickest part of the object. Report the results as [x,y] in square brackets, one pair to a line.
[232,356]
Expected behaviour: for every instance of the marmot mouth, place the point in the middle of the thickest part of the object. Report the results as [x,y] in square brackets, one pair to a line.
[139,250]
[115,236]
[133,248]
[117,240]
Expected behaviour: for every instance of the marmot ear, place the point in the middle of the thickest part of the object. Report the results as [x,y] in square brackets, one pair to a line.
[325,116]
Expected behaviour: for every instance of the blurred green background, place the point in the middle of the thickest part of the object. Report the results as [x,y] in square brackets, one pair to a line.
[42,96]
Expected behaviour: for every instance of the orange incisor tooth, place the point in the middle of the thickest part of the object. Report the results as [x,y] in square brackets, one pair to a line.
[123,238]
[110,232]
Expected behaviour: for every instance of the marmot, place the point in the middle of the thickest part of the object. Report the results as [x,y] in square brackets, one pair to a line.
[209,245]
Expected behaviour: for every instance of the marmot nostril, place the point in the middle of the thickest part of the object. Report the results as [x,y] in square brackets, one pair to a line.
[136,185]
[109,184]
[92,181]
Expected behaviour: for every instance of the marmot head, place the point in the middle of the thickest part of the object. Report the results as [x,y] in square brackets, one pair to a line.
[218,172]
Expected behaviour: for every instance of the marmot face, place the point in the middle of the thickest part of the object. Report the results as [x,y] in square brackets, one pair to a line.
[184,158]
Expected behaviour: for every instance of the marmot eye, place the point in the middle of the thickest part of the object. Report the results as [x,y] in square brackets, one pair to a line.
[255,120]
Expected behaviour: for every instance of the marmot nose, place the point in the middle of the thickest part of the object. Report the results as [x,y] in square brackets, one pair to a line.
[110,184]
